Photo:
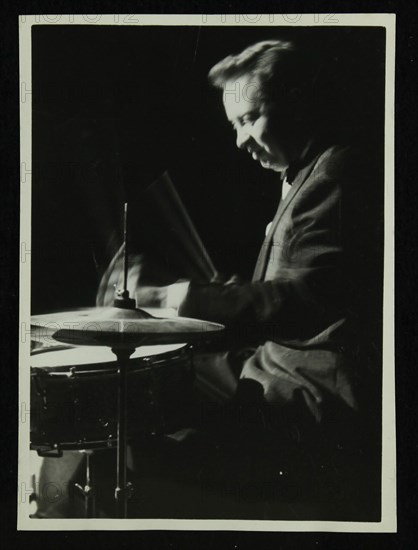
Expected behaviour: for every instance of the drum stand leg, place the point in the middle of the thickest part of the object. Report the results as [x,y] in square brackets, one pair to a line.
[123,489]
[88,490]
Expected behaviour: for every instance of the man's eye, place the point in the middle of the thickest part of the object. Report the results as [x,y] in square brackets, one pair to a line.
[249,119]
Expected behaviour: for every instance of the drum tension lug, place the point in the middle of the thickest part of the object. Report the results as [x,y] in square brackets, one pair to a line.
[129,489]
[87,491]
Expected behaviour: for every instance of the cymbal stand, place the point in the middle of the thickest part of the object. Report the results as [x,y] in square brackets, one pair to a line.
[122,300]
[123,489]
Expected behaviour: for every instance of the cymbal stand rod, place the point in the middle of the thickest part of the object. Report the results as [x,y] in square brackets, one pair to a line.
[122,299]
[125,240]
[123,489]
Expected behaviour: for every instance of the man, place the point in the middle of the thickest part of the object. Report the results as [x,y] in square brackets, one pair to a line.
[310,359]
[306,299]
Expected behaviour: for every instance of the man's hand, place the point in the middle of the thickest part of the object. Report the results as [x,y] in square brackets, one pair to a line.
[147,281]
[151,296]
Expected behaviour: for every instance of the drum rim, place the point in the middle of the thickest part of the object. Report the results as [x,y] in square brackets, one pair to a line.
[109,367]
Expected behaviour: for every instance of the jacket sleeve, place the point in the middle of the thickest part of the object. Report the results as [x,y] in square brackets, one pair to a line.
[304,289]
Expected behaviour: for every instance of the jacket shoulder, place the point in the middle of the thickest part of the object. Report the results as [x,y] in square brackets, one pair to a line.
[349,162]
[338,160]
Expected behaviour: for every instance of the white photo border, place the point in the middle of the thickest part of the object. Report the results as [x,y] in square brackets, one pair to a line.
[388,523]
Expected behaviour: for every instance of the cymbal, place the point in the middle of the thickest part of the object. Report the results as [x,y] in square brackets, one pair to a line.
[119,327]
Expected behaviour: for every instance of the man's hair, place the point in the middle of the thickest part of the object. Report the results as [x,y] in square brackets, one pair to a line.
[279,67]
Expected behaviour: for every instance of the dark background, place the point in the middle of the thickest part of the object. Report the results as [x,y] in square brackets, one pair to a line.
[113,107]
[406,118]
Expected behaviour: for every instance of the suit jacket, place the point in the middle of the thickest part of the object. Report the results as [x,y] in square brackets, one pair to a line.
[309,300]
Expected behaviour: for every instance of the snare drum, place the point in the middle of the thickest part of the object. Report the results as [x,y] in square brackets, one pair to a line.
[74,395]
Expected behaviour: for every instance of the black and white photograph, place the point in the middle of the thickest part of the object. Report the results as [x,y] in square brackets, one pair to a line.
[205,285]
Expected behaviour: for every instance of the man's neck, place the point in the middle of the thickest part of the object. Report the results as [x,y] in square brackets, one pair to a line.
[299,156]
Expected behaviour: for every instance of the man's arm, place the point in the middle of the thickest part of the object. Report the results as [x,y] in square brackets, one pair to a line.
[304,286]
[315,265]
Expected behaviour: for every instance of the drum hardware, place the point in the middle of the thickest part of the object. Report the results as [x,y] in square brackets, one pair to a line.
[88,491]
[123,328]
[123,491]
[47,452]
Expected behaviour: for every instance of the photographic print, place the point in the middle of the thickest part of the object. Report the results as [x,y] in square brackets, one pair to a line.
[206,256]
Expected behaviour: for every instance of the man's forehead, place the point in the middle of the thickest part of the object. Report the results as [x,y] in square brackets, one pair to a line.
[241,95]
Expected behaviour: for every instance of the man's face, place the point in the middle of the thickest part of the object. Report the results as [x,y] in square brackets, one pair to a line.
[253,123]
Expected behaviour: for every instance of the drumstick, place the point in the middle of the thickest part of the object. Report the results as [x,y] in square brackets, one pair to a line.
[164,202]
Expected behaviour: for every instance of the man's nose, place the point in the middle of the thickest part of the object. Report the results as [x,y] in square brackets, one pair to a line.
[242,138]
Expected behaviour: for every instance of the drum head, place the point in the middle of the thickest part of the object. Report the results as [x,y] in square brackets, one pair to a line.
[92,355]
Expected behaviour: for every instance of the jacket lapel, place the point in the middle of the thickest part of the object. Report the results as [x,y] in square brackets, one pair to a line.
[261,265]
